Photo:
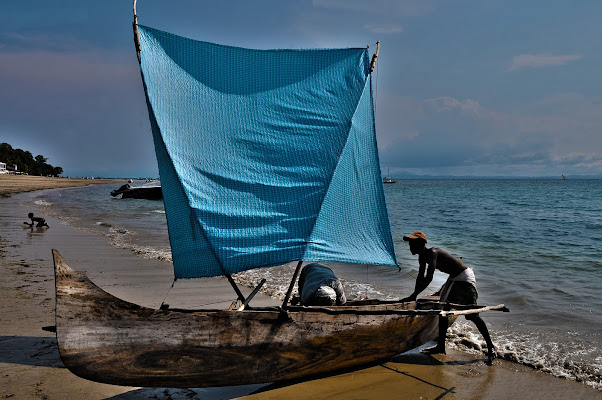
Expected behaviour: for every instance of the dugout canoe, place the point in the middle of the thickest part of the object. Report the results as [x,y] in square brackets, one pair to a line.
[105,339]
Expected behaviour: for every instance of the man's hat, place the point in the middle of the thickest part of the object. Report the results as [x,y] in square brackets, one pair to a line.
[415,235]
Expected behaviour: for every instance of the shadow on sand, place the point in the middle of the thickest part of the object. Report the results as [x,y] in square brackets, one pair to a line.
[30,350]
[222,393]
[43,352]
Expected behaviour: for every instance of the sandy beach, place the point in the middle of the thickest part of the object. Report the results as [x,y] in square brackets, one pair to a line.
[30,366]
[27,183]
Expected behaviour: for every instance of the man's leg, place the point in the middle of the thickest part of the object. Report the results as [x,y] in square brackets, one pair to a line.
[440,347]
[478,321]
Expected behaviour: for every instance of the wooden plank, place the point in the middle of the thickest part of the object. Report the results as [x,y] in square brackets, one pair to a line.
[499,307]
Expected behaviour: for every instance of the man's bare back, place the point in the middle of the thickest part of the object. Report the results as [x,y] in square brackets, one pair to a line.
[442,260]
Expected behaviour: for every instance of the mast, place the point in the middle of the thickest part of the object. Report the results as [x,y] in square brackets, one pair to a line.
[136,36]
[292,285]
[374,56]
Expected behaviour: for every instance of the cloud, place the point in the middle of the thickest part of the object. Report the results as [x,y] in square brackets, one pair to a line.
[389,8]
[466,106]
[449,103]
[542,60]
[448,135]
[384,29]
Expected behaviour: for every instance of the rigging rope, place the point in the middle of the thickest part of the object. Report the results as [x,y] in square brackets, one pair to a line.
[168,290]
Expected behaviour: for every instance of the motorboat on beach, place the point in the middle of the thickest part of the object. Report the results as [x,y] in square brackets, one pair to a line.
[148,192]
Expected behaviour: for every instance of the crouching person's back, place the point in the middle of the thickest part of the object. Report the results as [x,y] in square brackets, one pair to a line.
[319,286]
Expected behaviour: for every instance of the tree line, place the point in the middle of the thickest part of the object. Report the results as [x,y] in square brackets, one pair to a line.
[26,162]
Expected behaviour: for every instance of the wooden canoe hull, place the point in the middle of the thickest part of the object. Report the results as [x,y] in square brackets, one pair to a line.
[105,339]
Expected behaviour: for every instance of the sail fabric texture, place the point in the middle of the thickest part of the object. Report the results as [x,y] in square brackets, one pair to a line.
[265,156]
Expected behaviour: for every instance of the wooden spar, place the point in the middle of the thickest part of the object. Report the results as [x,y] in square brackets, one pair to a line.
[136,36]
[239,294]
[374,57]
[499,307]
[292,285]
[250,297]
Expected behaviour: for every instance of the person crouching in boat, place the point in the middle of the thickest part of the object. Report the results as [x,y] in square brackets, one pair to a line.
[319,286]
[460,287]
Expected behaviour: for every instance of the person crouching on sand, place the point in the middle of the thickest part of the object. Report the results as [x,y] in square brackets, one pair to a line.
[41,222]
[460,287]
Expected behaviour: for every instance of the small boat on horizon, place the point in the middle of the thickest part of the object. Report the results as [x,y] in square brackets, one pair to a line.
[388,179]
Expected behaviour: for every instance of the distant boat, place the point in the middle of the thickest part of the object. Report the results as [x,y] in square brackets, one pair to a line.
[388,179]
[148,192]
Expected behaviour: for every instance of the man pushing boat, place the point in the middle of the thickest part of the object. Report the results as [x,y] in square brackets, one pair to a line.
[460,287]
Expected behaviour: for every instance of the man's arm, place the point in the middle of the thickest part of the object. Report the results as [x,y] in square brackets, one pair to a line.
[422,281]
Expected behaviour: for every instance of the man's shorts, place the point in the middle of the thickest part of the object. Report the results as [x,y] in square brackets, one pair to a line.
[462,293]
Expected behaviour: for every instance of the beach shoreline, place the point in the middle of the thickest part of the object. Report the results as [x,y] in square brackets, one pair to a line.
[30,366]
[12,184]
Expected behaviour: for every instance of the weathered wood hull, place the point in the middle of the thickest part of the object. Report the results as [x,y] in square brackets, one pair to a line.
[105,339]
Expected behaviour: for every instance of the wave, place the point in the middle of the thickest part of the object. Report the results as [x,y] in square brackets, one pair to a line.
[123,238]
[564,359]
[43,203]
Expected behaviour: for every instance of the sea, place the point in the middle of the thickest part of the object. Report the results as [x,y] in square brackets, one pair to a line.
[535,245]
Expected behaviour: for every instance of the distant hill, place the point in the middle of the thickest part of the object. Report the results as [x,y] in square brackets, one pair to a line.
[409,175]
[26,162]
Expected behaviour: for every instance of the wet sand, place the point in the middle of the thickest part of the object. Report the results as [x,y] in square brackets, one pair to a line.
[30,366]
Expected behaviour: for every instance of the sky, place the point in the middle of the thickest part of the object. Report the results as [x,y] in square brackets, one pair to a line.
[462,87]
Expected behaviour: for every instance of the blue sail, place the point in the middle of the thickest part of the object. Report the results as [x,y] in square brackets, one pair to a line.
[265,156]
